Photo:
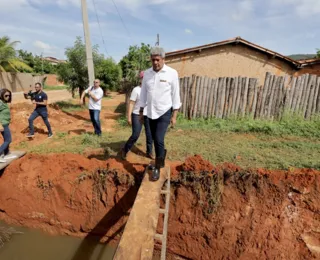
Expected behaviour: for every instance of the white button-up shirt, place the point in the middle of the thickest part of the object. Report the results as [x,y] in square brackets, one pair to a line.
[160,91]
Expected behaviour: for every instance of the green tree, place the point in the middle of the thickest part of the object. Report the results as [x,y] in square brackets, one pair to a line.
[37,64]
[8,59]
[74,72]
[109,73]
[137,59]
[318,53]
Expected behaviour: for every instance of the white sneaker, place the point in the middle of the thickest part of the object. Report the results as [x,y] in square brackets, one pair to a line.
[10,156]
[2,160]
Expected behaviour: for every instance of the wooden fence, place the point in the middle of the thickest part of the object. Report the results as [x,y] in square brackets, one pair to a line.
[241,96]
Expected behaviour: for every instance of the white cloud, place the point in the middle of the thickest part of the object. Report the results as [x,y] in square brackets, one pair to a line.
[188,31]
[42,46]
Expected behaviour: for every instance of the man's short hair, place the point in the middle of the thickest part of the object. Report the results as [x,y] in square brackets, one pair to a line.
[159,51]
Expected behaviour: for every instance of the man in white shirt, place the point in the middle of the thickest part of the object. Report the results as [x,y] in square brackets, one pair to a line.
[161,95]
[95,93]
[134,121]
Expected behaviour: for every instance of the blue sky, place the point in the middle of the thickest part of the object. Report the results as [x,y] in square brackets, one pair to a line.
[49,26]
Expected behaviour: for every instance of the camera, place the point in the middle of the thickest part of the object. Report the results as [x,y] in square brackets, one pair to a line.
[31,95]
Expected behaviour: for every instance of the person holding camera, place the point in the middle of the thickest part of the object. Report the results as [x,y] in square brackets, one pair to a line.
[40,99]
[95,93]
[5,118]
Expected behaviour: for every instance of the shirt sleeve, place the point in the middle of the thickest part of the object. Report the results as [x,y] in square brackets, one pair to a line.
[143,93]
[99,95]
[134,94]
[45,97]
[176,103]
[87,90]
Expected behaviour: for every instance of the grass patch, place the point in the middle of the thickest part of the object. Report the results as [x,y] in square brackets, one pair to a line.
[293,127]
[68,106]
[50,88]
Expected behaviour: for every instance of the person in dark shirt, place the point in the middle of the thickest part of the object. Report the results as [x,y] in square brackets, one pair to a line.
[40,99]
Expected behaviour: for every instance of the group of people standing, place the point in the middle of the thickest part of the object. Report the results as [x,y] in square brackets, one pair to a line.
[154,104]
[39,99]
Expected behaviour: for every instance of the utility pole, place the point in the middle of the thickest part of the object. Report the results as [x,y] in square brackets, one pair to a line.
[158,40]
[87,41]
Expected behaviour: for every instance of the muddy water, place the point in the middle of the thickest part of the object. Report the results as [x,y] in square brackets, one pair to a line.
[36,245]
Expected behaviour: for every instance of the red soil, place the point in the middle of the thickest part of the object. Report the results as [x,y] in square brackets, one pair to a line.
[262,214]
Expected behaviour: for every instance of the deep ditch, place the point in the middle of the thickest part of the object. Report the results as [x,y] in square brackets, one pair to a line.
[216,212]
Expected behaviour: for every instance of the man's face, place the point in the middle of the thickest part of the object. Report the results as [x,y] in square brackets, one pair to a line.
[157,62]
[37,87]
[96,83]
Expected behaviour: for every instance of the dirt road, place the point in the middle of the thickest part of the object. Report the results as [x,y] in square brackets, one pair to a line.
[53,96]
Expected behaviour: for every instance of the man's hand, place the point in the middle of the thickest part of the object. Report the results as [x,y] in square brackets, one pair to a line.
[34,102]
[173,121]
[1,128]
[141,117]
[129,121]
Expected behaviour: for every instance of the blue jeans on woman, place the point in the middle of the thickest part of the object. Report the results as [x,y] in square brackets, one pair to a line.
[4,148]
[158,129]
[136,130]
[95,119]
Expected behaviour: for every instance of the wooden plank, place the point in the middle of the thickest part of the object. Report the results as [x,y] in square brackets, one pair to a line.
[192,98]
[143,220]
[317,92]
[218,97]
[239,88]
[226,99]
[309,88]
[245,97]
[265,90]
[305,92]
[291,92]
[222,97]
[230,99]
[234,97]
[304,82]
[309,99]
[250,96]
[215,97]
[195,109]
[211,94]
[259,100]
[280,99]
[181,93]
[204,96]
[271,91]
[318,102]
[200,97]
[209,90]
[296,93]
[255,98]
[18,155]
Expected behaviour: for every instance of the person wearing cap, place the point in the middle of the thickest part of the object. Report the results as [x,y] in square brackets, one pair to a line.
[160,94]
[134,121]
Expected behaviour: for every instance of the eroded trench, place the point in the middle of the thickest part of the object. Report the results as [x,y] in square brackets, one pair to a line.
[216,212]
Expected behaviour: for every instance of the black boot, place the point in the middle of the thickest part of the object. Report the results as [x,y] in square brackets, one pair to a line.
[156,171]
[163,162]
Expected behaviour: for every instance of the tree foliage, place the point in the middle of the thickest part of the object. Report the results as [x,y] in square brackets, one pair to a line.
[318,53]
[37,64]
[137,59]
[75,71]
[8,59]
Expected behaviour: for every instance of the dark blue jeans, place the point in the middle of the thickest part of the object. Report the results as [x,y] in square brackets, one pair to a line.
[136,130]
[36,113]
[158,130]
[4,148]
[95,119]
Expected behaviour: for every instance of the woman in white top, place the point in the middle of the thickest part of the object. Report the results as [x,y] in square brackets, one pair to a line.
[133,120]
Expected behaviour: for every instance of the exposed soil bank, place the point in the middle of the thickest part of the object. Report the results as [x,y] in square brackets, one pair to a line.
[220,212]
